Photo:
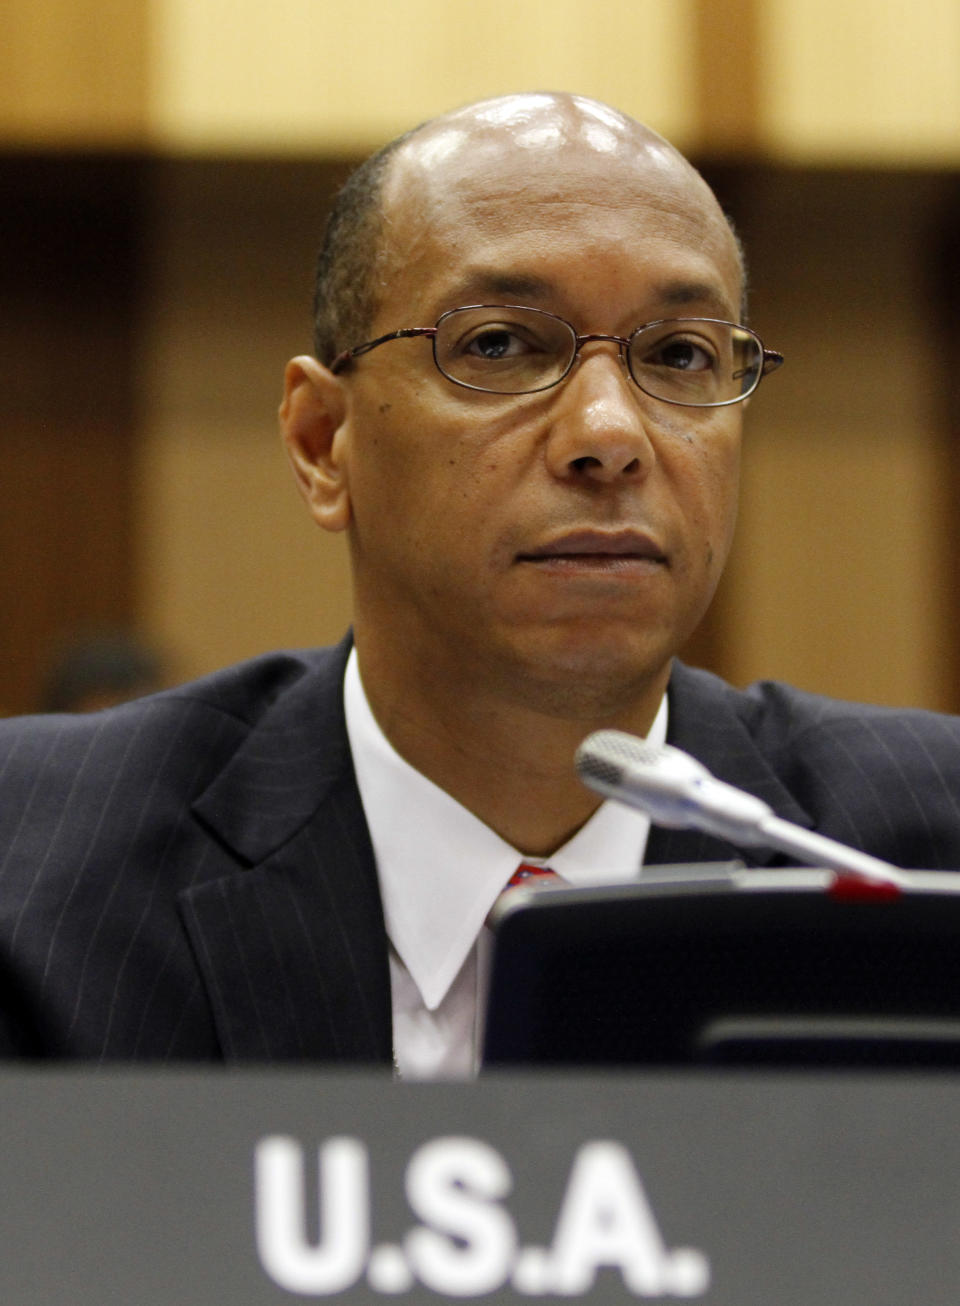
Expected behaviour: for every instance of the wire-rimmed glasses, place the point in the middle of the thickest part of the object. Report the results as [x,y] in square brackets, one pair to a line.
[511,349]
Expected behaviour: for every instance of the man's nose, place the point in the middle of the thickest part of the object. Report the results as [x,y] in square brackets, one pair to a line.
[599,431]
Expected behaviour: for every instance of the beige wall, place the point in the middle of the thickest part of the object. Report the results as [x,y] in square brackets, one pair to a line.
[859,80]
[295,74]
[74,72]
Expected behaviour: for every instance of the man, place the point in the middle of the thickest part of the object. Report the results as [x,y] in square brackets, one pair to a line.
[524,411]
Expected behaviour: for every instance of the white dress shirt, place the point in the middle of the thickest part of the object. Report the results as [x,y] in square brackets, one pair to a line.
[441,870]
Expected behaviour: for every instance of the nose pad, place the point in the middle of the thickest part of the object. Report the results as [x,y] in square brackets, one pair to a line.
[595,338]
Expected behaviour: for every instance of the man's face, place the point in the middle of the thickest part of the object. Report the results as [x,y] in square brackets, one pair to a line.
[557,546]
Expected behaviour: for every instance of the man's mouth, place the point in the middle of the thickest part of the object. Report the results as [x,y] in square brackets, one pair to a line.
[591,550]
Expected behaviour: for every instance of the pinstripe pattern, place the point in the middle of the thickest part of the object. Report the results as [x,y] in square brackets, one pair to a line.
[884,781]
[191,877]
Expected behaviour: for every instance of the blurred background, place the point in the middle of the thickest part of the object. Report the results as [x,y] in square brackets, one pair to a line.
[166,167]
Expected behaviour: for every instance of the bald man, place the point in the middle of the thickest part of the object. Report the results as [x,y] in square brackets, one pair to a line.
[524,410]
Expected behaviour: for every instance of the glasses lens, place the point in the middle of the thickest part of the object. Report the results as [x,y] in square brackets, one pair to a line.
[510,351]
[696,361]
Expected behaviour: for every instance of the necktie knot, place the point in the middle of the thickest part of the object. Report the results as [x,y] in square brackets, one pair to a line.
[527,875]
[534,876]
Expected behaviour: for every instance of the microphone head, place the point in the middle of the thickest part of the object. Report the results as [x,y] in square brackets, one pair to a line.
[673,788]
[656,778]
[607,756]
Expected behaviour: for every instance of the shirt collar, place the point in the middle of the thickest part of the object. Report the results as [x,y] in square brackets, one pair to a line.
[441,869]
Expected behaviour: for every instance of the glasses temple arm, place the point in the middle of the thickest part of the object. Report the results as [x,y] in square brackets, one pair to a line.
[341,360]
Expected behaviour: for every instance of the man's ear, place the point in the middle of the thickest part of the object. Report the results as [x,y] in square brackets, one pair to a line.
[312,422]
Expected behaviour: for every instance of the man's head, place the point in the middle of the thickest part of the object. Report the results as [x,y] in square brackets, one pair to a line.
[350,269]
[556,546]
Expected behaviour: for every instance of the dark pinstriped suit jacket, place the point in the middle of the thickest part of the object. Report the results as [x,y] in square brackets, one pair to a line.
[191,877]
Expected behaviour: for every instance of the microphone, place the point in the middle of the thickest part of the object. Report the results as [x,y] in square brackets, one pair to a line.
[676,790]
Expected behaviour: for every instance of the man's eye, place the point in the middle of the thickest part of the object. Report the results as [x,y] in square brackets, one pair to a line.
[682,356]
[495,343]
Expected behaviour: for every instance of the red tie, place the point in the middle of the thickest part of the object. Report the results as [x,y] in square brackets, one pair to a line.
[533,877]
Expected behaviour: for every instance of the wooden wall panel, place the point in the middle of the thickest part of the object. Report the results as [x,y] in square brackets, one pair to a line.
[231,563]
[70,230]
[843,570]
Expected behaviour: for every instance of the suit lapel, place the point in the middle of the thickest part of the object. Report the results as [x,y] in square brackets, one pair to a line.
[712,722]
[292,945]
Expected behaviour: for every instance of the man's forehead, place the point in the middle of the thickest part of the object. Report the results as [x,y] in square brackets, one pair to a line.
[505,178]
[501,159]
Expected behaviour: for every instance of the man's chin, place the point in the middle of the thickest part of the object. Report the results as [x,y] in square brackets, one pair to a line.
[593,679]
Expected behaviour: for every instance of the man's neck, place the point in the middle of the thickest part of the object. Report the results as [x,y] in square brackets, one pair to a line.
[505,760]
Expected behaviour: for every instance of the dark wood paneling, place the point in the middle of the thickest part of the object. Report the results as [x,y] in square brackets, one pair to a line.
[855,275]
[943,266]
[70,275]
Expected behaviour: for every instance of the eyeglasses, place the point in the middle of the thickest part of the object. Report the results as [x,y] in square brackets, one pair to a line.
[507,349]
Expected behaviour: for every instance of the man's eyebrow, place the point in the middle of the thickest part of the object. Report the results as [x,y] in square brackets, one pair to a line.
[483,286]
[683,293]
[480,286]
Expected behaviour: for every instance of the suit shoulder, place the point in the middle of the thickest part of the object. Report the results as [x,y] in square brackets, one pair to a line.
[778,715]
[811,739]
[800,719]
[248,689]
[199,723]
[879,778]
